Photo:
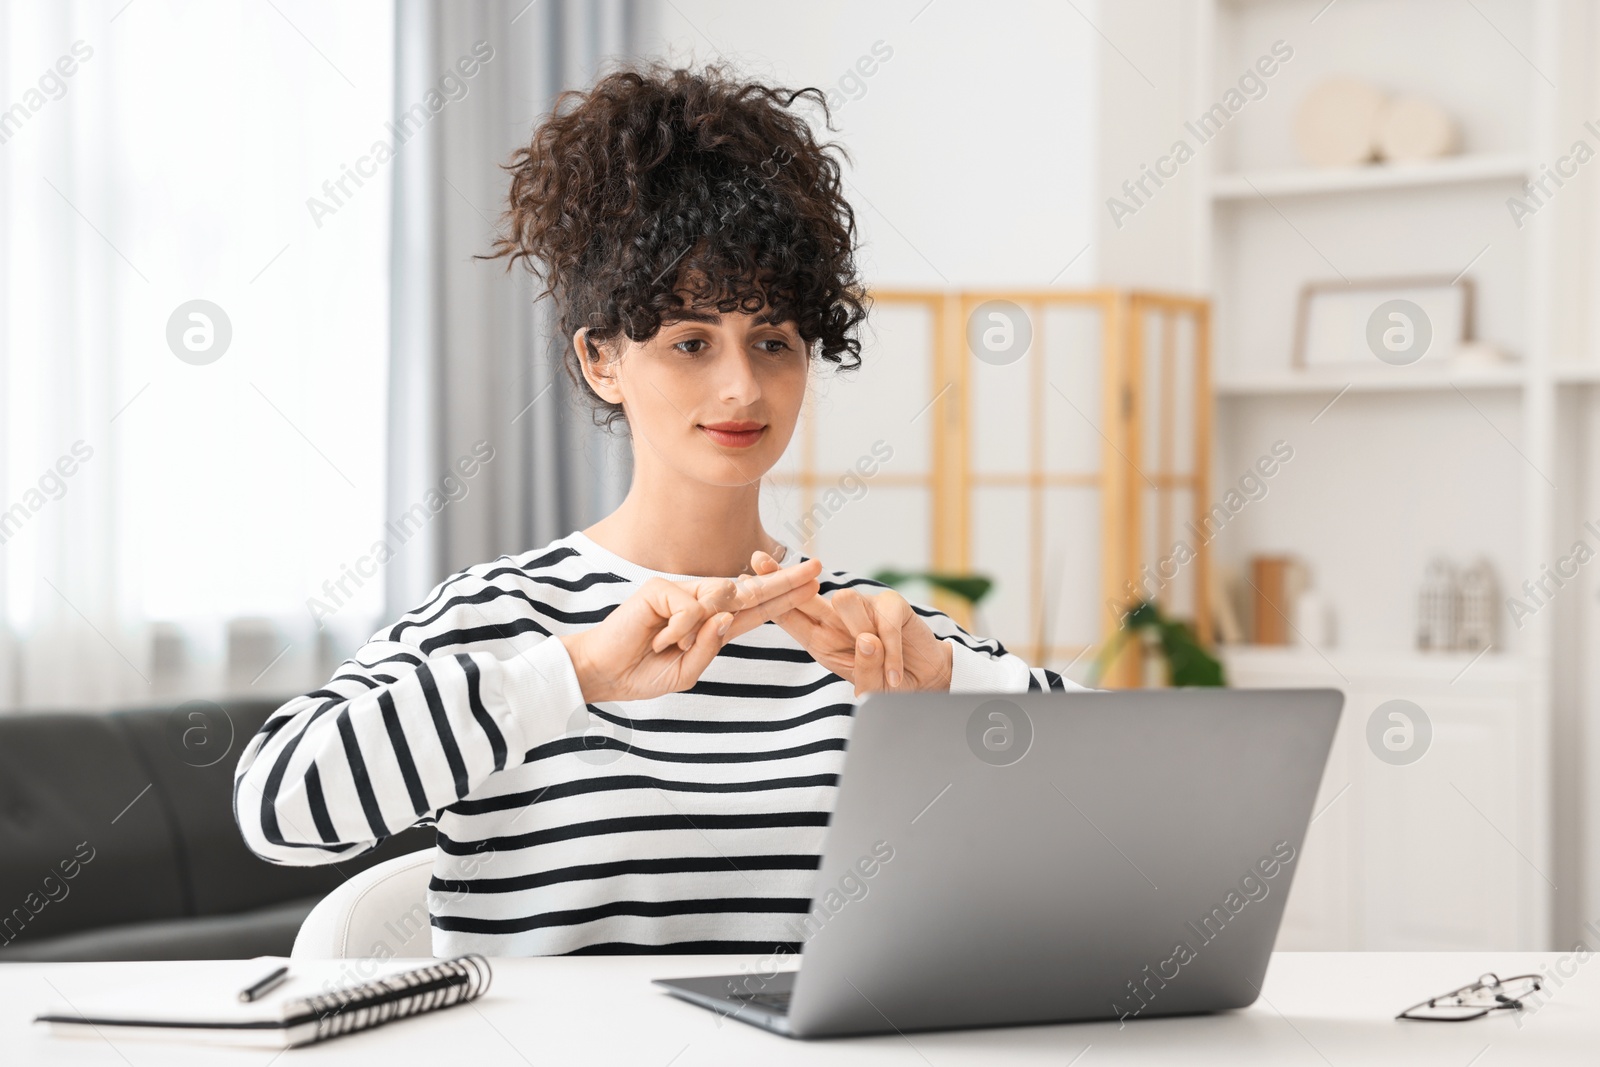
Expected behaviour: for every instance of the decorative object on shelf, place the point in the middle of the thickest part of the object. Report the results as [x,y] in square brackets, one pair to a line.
[1313,620]
[1414,129]
[1344,122]
[1188,662]
[1270,608]
[1223,590]
[1332,319]
[1438,606]
[1336,125]
[1475,622]
[1457,607]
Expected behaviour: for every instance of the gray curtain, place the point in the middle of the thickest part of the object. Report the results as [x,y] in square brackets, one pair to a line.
[474,362]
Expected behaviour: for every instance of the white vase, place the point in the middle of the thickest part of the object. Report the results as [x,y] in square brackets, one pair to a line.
[1313,620]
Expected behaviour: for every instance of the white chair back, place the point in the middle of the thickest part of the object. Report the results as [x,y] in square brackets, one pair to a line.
[382,911]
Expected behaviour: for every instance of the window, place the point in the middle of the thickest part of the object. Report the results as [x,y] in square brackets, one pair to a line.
[153,156]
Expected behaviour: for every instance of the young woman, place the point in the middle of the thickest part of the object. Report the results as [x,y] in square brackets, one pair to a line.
[700,254]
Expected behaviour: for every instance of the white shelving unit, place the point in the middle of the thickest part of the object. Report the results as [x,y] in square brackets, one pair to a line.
[1464,848]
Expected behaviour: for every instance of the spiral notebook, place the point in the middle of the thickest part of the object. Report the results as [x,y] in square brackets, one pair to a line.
[313,1006]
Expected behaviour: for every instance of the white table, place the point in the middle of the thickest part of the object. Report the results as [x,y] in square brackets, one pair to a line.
[1317,1008]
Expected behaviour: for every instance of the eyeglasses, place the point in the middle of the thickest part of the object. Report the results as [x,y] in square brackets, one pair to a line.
[1489,993]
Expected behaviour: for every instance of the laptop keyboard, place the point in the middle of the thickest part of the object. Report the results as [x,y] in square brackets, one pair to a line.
[778,1002]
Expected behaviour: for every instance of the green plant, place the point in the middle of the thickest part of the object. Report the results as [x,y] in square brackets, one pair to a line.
[969,587]
[1188,663]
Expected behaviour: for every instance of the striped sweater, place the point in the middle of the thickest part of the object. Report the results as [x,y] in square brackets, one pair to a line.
[692,822]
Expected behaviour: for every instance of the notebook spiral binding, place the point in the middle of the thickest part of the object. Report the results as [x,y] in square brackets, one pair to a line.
[438,985]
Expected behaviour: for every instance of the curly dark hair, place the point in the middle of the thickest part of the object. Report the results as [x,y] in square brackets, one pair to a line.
[657,180]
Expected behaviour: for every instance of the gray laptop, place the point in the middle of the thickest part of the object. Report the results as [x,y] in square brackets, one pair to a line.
[996,860]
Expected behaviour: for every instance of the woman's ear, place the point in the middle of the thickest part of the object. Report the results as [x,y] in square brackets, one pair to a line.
[599,368]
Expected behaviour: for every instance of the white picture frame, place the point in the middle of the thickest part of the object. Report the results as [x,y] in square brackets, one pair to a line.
[1332,317]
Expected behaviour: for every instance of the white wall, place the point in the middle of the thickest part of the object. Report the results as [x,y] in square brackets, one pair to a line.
[973,144]
[1146,78]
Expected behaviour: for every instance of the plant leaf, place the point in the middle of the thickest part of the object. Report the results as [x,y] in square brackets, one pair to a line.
[969,587]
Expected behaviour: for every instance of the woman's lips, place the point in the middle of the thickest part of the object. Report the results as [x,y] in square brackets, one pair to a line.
[734,438]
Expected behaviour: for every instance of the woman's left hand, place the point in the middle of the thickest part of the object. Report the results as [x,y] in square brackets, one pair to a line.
[875,642]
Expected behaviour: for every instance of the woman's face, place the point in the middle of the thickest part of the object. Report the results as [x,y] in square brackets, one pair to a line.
[714,397]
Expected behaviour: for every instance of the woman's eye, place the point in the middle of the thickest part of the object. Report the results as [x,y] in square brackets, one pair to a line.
[772,346]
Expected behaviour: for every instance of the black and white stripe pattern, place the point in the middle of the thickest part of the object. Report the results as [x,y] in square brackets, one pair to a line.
[688,823]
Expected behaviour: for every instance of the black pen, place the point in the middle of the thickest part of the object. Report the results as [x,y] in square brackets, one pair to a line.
[266,985]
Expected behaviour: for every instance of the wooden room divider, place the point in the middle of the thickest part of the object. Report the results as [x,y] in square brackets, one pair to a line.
[1069,462]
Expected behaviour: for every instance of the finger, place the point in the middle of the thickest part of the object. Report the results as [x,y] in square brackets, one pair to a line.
[817,626]
[827,641]
[684,617]
[893,613]
[819,610]
[869,664]
[669,671]
[756,589]
[775,609]
[683,613]
[680,626]
[715,594]
[684,623]
[776,581]
[708,641]
[763,565]
[793,585]
[854,612]
[805,622]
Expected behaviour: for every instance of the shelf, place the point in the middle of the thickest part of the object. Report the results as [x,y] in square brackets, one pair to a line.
[1400,380]
[1449,668]
[1369,380]
[1576,374]
[1455,170]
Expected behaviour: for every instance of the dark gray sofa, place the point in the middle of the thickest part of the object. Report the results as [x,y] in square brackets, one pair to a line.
[118,842]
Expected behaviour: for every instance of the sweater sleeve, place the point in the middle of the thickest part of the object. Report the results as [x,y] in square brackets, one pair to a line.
[984,666]
[398,733]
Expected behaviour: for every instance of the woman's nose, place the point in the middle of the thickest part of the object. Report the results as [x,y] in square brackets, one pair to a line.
[737,380]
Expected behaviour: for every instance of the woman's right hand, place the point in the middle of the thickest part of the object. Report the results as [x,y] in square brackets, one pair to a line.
[663,637]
